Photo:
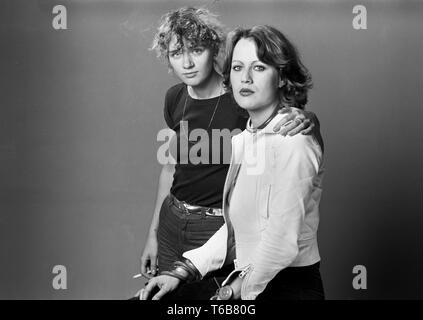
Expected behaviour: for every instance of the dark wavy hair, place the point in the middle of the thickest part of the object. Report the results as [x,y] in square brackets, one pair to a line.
[197,25]
[274,49]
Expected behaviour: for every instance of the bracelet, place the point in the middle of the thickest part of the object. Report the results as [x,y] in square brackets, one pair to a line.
[173,274]
[182,266]
[185,271]
[194,269]
[190,268]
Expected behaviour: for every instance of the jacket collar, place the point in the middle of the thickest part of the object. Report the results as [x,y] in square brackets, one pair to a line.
[268,128]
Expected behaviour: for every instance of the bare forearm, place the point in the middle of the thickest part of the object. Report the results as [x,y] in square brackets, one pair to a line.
[163,189]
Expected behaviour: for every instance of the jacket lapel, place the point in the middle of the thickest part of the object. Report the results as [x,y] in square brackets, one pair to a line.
[235,166]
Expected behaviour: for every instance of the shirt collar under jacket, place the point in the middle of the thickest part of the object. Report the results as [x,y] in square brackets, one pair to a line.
[268,128]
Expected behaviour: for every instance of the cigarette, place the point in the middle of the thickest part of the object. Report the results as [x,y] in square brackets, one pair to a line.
[138,275]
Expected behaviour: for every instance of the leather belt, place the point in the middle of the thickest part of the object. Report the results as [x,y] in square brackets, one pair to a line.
[189,208]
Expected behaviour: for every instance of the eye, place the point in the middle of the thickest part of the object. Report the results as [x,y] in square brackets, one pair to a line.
[259,68]
[175,54]
[236,68]
[198,50]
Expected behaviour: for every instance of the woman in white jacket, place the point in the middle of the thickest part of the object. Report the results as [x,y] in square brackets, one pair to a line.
[273,187]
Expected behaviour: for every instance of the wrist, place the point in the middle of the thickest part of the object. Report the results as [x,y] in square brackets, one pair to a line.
[184,271]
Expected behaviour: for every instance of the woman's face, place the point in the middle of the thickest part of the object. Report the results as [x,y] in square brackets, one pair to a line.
[254,83]
[192,64]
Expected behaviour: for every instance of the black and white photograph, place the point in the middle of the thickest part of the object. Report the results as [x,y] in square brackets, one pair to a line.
[259,150]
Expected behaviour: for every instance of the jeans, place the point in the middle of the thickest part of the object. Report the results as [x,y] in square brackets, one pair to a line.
[179,232]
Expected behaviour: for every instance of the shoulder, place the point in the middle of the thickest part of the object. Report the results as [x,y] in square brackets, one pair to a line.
[238,139]
[298,143]
[298,149]
[174,92]
[172,97]
[238,144]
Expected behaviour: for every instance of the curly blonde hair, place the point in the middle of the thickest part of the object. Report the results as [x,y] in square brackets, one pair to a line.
[197,25]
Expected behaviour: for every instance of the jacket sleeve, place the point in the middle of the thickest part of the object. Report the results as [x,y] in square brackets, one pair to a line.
[296,164]
[211,255]
[217,251]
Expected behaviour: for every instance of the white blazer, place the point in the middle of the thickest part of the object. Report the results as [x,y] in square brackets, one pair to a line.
[290,173]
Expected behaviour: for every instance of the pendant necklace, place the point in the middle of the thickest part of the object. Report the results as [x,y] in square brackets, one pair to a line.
[211,119]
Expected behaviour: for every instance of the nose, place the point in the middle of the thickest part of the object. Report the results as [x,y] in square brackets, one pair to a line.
[246,76]
[187,60]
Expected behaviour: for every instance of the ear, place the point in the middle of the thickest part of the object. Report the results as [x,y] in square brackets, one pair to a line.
[218,63]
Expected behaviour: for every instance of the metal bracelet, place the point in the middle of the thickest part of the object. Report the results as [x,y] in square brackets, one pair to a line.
[193,273]
[173,274]
[193,268]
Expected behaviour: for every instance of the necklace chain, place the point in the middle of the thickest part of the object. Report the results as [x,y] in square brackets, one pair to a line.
[211,119]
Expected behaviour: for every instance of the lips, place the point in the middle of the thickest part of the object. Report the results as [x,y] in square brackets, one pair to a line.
[246,92]
[190,74]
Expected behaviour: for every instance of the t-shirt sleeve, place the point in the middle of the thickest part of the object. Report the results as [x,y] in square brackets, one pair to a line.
[168,110]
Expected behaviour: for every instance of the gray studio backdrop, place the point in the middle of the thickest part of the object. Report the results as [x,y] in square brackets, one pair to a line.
[80,110]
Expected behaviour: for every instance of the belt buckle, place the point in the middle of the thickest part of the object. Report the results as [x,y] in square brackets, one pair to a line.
[211,212]
[185,208]
[194,208]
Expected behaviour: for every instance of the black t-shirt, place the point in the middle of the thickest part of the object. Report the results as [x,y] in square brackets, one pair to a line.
[203,155]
